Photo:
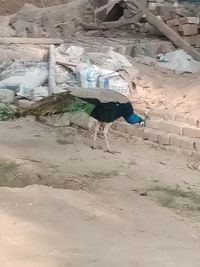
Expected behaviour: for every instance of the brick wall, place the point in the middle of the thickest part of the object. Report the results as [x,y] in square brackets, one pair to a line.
[171,131]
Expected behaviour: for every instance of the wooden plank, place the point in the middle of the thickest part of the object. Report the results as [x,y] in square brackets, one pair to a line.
[19,40]
[52,69]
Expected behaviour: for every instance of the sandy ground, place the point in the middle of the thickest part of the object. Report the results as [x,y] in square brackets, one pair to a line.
[158,88]
[91,208]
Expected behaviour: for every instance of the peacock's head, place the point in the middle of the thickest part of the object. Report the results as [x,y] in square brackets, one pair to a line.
[134,119]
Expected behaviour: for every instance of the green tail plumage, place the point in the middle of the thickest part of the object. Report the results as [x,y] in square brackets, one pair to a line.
[79,106]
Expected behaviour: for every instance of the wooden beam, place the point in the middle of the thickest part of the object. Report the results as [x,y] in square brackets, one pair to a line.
[52,69]
[19,40]
[173,36]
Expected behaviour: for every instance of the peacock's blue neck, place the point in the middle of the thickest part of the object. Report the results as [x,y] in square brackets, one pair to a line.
[133,119]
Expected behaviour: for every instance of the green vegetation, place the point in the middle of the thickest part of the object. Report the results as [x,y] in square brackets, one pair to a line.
[6,112]
[176,198]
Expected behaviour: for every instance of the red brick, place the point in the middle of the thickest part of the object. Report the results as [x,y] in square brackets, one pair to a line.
[187,153]
[164,139]
[175,28]
[197,145]
[170,127]
[196,155]
[135,131]
[187,143]
[151,134]
[153,124]
[191,132]
[188,29]
[173,22]
[175,140]
[192,39]
[197,43]
[190,20]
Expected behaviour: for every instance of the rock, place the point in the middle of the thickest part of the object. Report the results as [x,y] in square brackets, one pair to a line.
[55,21]
[80,119]
[6,96]
[19,26]
[7,31]
[83,120]
[23,52]
[60,120]
[24,104]
[34,31]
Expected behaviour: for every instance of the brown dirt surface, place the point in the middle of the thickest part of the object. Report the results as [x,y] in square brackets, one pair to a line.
[89,208]
[163,89]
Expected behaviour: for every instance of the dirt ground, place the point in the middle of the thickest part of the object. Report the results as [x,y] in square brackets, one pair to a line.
[90,208]
[158,88]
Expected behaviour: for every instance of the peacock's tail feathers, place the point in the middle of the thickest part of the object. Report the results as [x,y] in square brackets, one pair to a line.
[79,106]
[63,102]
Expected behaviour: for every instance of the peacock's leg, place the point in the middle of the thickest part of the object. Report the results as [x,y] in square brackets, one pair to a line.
[105,132]
[95,134]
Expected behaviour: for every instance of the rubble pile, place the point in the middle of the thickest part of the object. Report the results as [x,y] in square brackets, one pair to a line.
[56,21]
[181,19]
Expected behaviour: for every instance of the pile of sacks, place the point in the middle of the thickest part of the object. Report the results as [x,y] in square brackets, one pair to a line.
[28,80]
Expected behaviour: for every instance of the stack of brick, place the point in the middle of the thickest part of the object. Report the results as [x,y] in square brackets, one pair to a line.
[179,18]
[170,131]
[188,27]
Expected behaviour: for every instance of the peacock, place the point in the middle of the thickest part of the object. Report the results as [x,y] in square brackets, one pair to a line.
[104,105]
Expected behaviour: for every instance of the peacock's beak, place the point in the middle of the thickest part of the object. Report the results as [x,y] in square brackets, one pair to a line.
[142,124]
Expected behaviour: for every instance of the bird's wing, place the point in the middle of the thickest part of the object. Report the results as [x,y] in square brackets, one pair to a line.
[94,96]
[57,103]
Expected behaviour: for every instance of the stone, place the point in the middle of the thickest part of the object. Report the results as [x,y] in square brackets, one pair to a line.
[82,120]
[24,104]
[56,120]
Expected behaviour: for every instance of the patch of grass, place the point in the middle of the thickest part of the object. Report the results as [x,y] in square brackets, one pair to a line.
[6,112]
[176,198]
[103,174]
[62,141]
[7,166]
